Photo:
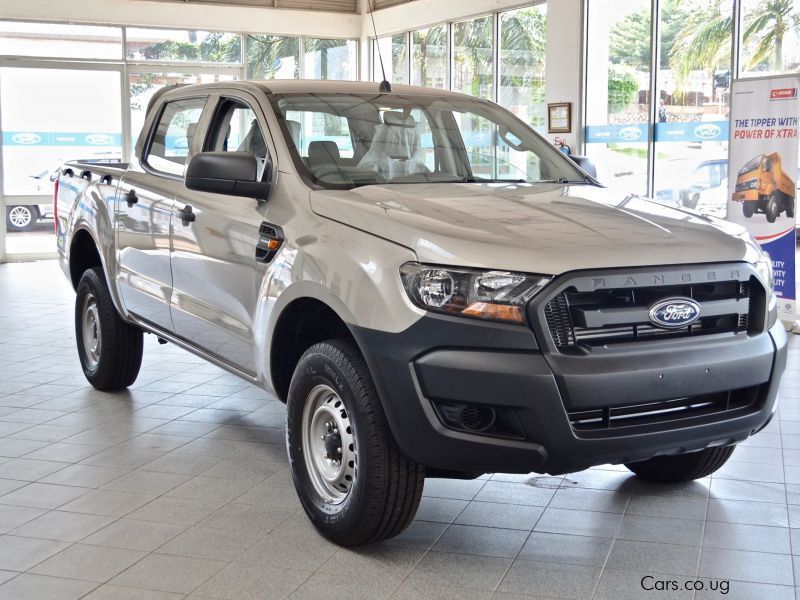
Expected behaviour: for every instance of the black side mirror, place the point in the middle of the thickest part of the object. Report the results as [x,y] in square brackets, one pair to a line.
[229,173]
[585,163]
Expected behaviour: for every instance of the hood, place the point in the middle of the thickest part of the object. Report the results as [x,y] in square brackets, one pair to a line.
[537,228]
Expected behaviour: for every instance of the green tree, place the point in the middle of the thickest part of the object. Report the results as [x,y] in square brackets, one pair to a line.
[705,37]
[265,52]
[629,42]
[622,88]
[767,27]
[429,53]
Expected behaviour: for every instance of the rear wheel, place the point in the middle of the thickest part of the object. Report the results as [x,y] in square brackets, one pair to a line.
[748,209]
[682,467]
[21,218]
[353,481]
[110,350]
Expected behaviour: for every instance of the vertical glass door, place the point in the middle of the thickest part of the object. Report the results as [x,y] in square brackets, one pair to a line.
[50,115]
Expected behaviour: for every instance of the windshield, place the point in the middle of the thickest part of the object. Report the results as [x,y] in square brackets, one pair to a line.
[750,166]
[342,141]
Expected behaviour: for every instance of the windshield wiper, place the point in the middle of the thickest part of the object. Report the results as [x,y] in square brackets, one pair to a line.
[565,181]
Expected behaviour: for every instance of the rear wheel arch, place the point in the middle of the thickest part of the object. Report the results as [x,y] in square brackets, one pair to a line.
[302,323]
[83,255]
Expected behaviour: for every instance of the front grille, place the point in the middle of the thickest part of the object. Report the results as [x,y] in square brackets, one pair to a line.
[681,411]
[619,315]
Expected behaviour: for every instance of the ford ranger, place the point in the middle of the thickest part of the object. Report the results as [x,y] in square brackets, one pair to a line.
[429,285]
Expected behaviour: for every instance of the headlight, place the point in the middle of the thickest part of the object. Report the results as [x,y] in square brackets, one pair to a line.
[764,268]
[493,295]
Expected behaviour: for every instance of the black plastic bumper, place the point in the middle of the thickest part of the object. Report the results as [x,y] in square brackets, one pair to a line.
[445,359]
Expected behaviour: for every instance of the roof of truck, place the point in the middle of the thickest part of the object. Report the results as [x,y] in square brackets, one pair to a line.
[316,86]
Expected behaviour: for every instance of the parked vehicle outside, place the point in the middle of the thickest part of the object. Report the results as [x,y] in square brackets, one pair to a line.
[430,286]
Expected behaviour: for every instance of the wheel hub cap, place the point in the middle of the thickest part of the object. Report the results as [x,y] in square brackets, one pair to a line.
[91,331]
[328,445]
[20,216]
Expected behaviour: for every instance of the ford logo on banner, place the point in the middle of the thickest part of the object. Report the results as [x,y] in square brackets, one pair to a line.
[673,313]
[26,138]
[707,130]
[98,139]
[630,133]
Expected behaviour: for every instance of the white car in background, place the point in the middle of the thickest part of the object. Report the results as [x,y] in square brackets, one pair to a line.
[23,216]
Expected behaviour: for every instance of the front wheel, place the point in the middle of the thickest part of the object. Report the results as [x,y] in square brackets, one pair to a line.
[110,350]
[21,218]
[773,209]
[748,209]
[353,481]
[682,467]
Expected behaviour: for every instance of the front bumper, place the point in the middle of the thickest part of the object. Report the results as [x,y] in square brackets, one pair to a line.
[449,359]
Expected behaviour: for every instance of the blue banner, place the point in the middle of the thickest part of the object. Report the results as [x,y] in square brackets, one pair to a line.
[61,138]
[616,134]
[694,131]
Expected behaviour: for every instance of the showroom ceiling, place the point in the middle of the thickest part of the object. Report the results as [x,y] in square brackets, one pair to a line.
[327,5]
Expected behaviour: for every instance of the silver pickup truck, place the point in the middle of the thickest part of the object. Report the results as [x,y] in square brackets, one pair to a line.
[430,286]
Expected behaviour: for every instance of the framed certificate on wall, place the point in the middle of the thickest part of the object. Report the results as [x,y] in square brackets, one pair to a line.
[559,117]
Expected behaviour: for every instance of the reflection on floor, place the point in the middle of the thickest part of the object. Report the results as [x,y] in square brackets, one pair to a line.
[179,488]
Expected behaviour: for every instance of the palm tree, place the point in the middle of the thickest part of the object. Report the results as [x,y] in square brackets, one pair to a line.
[265,52]
[768,25]
[429,45]
[705,41]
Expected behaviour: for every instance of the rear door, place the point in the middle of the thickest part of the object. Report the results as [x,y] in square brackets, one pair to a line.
[144,209]
[215,270]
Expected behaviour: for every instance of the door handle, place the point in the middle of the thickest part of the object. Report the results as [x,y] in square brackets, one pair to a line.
[186,215]
[131,198]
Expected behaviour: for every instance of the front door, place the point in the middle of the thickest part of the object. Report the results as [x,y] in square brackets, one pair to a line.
[215,271]
[144,209]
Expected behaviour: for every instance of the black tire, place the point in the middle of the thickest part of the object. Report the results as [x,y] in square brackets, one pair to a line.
[682,467]
[748,209]
[114,361]
[790,207]
[773,209]
[385,486]
[21,218]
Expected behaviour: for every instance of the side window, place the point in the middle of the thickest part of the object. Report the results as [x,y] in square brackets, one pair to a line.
[169,147]
[235,128]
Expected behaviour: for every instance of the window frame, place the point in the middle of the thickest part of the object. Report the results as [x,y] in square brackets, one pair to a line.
[153,128]
[217,104]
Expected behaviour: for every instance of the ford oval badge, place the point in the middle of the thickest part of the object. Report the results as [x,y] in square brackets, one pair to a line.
[673,313]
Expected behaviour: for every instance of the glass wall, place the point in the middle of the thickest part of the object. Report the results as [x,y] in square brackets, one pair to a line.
[38,58]
[523,44]
[330,59]
[673,143]
[37,139]
[691,121]
[473,57]
[394,51]
[770,37]
[63,41]
[182,46]
[499,56]
[618,85]
[429,57]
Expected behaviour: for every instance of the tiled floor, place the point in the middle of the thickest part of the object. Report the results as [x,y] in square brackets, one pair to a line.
[179,488]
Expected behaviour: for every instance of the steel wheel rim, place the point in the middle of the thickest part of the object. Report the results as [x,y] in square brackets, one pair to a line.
[328,446]
[20,216]
[90,331]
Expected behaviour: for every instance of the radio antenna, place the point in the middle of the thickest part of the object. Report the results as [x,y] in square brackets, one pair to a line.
[385,86]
